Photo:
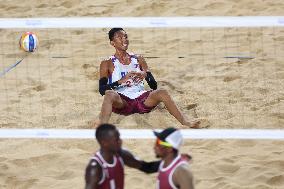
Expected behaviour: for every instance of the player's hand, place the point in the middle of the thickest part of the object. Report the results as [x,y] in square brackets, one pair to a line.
[129,75]
[139,76]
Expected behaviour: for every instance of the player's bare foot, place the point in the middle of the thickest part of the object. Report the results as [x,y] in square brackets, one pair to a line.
[194,124]
[197,124]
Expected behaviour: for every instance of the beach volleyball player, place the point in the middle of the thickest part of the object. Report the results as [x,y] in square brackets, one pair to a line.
[174,171]
[105,169]
[121,83]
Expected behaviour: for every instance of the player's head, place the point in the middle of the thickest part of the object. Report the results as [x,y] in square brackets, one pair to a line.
[112,32]
[108,137]
[118,38]
[167,141]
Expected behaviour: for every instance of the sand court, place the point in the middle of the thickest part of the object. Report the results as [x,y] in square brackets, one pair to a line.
[56,87]
[41,163]
[198,66]
[232,77]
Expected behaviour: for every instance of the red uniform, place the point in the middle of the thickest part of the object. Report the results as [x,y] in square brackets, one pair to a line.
[132,93]
[165,177]
[113,174]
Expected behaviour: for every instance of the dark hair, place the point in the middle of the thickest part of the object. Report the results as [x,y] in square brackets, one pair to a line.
[112,32]
[102,131]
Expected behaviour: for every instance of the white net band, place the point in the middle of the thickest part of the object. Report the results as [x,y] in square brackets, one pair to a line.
[144,133]
[144,22]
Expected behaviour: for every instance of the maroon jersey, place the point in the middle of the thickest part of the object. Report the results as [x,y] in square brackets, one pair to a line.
[113,174]
[165,176]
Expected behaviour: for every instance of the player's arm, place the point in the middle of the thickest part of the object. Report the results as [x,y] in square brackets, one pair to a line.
[183,177]
[93,175]
[131,161]
[103,82]
[104,74]
[147,73]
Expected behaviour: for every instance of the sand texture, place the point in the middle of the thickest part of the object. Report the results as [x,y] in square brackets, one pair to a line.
[57,87]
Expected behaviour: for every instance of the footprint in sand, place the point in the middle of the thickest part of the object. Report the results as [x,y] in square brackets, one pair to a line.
[231,78]
[42,5]
[191,106]
[53,102]
[91,71]
[171,86]
[204,123]
[168,84]
[39,88]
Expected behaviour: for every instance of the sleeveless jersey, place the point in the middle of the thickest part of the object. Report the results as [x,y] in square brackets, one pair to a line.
[130,89]
[113,174]
[165,176]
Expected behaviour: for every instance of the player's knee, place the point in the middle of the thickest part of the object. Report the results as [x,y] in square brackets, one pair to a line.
[163,93]
[110,95]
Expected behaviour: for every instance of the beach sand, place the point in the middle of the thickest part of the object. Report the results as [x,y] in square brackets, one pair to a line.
[57,87]
[216,164]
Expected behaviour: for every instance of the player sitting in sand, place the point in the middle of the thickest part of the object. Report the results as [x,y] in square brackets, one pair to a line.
[121,83]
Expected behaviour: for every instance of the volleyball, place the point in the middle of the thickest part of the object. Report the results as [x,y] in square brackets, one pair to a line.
[28,42]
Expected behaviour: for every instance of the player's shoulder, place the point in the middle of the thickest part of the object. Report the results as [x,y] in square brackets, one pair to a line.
[183,170]
[93,172]
[93,163]
[106,62]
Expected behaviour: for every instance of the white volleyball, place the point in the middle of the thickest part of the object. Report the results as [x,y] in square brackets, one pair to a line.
[28,42]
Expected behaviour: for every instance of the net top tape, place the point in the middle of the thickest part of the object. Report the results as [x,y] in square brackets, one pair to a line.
[143,22]
[271,134]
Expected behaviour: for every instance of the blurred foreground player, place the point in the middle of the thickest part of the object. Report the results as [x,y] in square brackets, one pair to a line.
[173,170]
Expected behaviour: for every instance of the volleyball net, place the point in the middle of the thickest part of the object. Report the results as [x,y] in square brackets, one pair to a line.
[237,60]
